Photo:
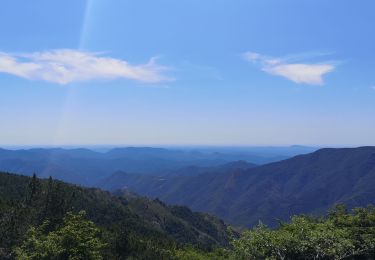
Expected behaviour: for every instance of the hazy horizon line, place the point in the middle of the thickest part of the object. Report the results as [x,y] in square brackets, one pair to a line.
[111,146]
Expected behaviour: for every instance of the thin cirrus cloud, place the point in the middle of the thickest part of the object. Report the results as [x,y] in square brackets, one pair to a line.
[64,66]
[300,73]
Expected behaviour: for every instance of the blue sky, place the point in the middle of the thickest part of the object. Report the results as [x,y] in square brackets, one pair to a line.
[215,72]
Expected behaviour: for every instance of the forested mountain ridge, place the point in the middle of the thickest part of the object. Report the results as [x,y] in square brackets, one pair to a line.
[309,183]
[126,219]
[141,182]
[44,220]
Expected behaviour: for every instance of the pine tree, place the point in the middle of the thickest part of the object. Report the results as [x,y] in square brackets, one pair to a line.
[34,189]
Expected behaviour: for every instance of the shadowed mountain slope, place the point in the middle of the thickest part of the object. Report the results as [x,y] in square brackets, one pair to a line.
[308,183]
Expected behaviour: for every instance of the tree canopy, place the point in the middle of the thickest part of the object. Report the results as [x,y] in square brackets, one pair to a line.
[77,239]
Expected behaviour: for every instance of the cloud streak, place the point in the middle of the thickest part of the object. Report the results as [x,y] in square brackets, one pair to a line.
[64,66]
[300,73]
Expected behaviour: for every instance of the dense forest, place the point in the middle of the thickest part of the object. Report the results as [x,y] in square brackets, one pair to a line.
[48,219]
[34,211]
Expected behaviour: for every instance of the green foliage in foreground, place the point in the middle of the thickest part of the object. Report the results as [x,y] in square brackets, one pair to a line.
[41,219]
[338,236]
[76,239]
[79,239]
[45,220]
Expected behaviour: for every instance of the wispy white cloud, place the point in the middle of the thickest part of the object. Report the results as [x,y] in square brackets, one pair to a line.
[307,73]
[64,66]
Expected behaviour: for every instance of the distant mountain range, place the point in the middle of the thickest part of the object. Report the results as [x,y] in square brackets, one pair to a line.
[225,182]
[87,167]
[243,194]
